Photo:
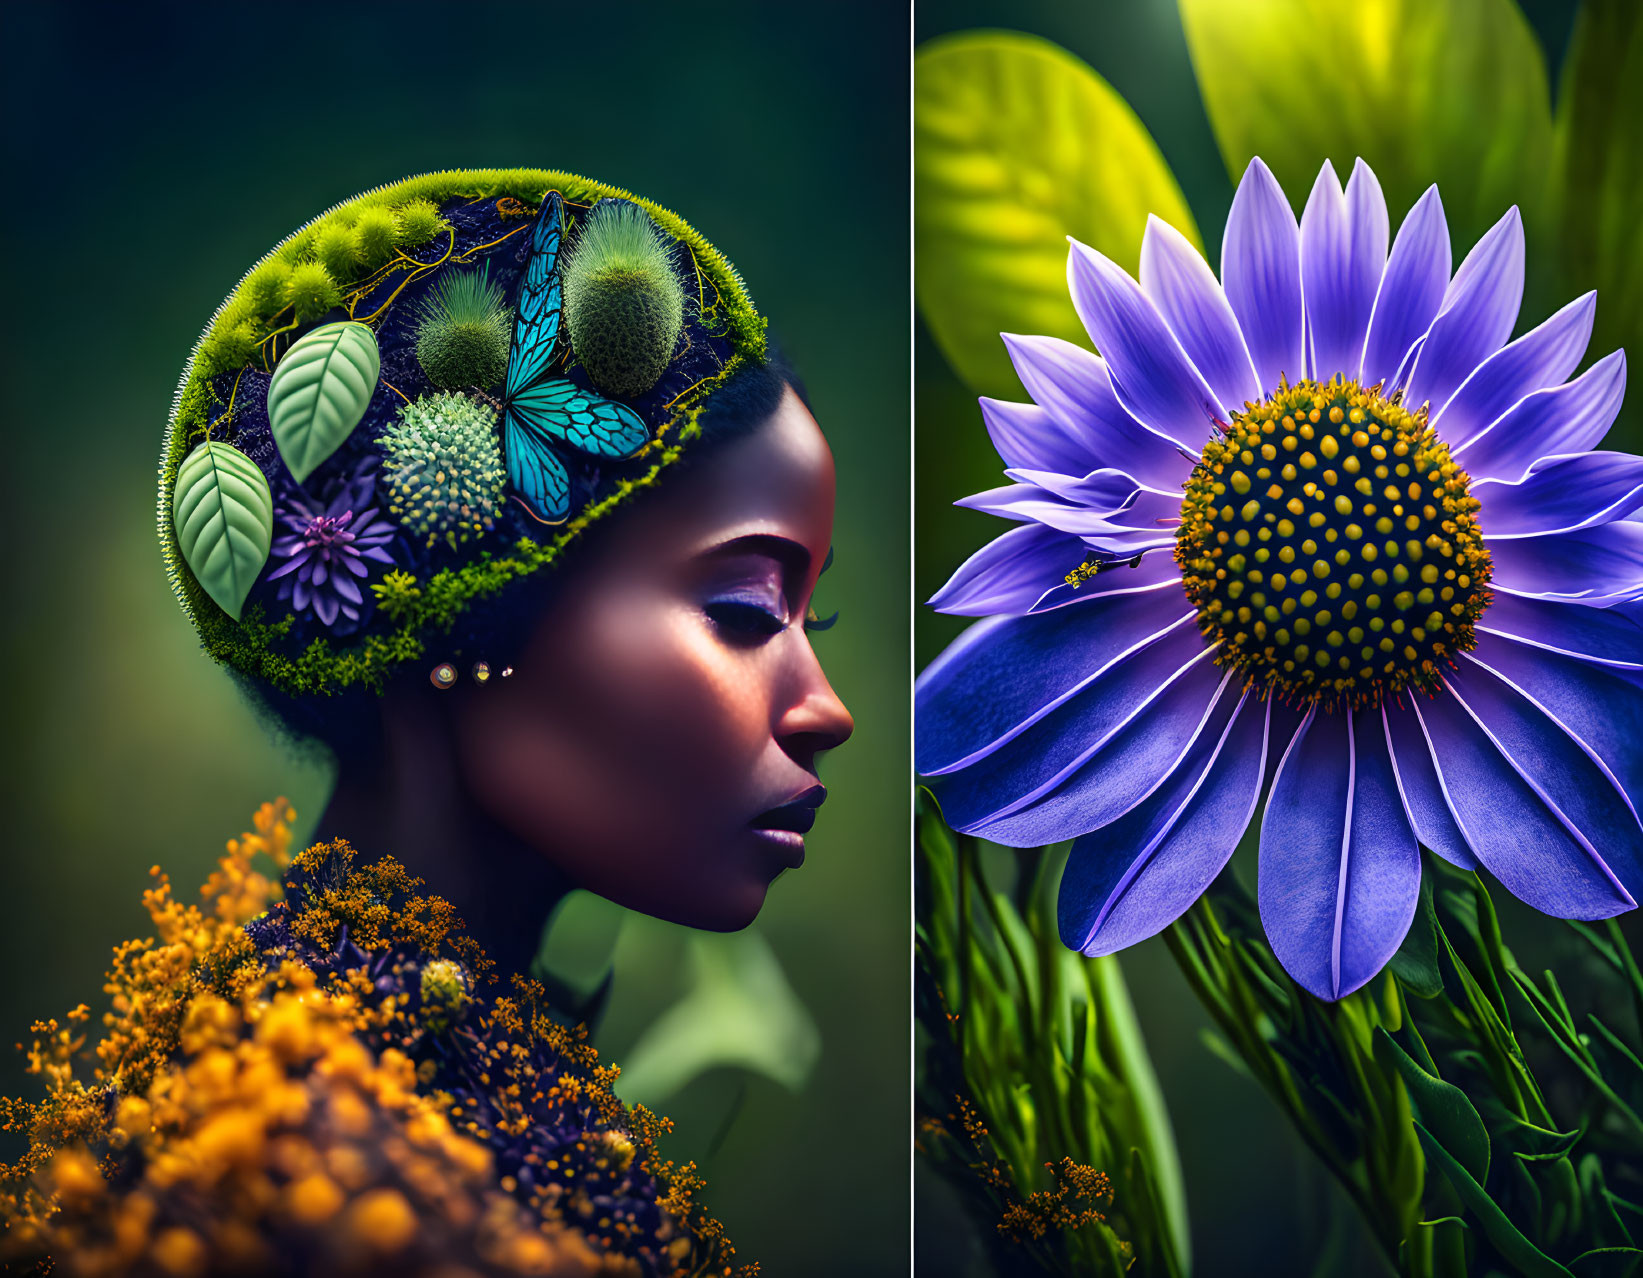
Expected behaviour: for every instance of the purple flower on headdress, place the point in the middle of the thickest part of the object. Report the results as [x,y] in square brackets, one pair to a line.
[327,548]
[1315,531]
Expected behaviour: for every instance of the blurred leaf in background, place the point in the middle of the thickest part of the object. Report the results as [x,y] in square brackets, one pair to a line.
[1016,146]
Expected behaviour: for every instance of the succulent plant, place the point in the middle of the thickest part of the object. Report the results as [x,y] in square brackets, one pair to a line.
[419,222]
[623,303]
[265,286]
[444,468]
[464,331]
[335,249]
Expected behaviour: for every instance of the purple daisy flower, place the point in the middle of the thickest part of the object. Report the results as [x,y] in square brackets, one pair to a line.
[1316,531]
[327,547]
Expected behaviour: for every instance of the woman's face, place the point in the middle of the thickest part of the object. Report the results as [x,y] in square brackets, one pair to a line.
[658,738]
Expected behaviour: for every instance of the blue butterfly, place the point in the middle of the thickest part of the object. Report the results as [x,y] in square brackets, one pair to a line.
[540,411]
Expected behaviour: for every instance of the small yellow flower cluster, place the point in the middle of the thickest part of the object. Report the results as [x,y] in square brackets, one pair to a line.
[249,1113]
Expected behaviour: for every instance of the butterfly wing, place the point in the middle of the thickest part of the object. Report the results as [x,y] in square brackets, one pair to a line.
[536,317]
[584,419]
[535,472]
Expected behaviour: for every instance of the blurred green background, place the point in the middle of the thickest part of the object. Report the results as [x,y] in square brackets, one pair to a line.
[1258,1202]
[154,153]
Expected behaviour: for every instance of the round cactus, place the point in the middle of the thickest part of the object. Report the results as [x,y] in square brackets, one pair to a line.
[623,303]
[444,468]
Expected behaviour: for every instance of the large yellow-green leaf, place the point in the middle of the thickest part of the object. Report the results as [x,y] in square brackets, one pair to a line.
[319,392]
[1445,91]
[1017,145]
[1598,185]
[224,517]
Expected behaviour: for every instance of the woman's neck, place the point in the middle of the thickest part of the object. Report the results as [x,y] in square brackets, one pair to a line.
[415,808]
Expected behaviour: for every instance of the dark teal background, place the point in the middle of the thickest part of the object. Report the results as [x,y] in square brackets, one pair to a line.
[153,154]
[1260,1204]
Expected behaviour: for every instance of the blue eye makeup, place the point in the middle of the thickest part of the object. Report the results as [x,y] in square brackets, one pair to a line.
[750,606]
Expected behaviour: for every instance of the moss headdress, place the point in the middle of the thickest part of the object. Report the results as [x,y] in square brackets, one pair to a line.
[418,400]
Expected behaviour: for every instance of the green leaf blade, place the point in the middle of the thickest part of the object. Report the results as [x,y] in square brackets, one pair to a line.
[1018,144]
[319,393]
[223,512]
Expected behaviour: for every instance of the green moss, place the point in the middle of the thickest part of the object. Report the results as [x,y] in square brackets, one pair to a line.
[231,347]
[335,250]
[257,646]
[264,288]
[396,593]
[311,291]
[624,305]
[419,222]
[443,468]
[376,236]
[464,332]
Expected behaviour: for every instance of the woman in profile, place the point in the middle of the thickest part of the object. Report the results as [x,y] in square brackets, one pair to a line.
[486,484]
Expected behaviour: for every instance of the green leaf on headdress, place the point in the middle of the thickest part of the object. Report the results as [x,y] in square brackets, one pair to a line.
[224,517]
[1445,91]
[319,391]
[1017,145]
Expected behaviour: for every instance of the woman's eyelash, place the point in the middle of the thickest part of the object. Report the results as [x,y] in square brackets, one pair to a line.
[742,618]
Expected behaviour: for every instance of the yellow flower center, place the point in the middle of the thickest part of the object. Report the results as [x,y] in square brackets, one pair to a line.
[1331,546]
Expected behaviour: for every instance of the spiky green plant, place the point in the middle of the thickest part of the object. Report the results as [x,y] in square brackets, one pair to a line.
[230,346]
[311,291]
[624,305]
[376,235]
[419,222]
[444,468]
[335,250]
[265,286]
[463,331]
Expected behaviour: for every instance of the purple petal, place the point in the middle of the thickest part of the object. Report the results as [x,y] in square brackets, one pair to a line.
[1029,436]
[1519,839]
[1131,879]
[1561,494]
[1562,419]
[1597,566]
[1584,796]
[1122,766]
[1339,870]
[346,589]
[1343,255]
[1189,297]
[1072,385]
[1010,573]
[1597,635]
[1150,373]
[356,565]
[325,606]
[1005,673]
[1479,309]
[378,554]
[1261,269]
[1417,273]
[1542,357]
[1422,791]
[322,570]
[1600,709]
[289,568]
[301,595]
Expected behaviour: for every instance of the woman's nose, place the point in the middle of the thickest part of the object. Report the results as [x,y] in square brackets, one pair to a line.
[816,719]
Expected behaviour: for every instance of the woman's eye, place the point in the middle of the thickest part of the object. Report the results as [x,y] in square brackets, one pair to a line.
[743,620]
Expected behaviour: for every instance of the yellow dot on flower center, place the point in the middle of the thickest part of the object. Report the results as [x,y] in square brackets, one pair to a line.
[1326,517]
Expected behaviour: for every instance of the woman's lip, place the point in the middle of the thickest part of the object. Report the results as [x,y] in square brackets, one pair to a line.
[797,815]
[789,843]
